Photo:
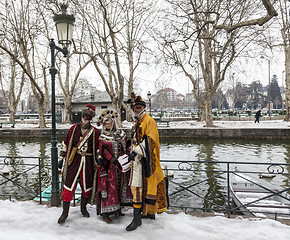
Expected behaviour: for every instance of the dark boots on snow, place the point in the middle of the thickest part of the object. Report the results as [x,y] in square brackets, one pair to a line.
[66,205]
[136,220]
[64,215]
[119,213]
[149,216]
[84,207]
[107,219]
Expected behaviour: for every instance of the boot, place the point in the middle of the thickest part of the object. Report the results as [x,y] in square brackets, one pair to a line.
[107,219]
[84,207]
[64,215]
[149,216]
[119,213]
[136,220]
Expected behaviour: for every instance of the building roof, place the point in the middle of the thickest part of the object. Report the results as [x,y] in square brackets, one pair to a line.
[98,97]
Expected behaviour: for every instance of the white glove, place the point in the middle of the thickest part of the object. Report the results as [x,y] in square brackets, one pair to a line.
[124,162]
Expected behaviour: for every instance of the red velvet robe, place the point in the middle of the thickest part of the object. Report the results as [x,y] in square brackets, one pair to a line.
[71,173]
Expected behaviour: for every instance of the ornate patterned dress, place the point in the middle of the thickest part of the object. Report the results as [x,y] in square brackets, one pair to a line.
[113,190]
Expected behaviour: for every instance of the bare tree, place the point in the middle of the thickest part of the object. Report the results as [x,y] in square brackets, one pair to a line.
[219,99]
[13,93]
[116,32]
[68,83]
[212,33]
[285,32]
[22,25]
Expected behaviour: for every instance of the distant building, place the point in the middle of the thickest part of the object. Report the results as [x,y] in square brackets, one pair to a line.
[180,97]
[100,99]
[170,93]
[83,90]
[167,98]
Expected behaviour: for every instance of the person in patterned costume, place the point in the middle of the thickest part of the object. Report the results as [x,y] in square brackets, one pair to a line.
[80,152]
[147,181]
[113,175]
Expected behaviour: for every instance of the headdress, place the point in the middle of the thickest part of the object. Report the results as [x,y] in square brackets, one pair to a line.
[107,116]
[136,100]
[89,111]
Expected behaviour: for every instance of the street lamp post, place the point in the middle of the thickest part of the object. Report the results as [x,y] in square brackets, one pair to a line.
[64,25]
[149,98]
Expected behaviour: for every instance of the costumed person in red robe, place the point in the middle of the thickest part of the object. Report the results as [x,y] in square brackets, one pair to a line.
[148,186]
[80,152]
[113,168]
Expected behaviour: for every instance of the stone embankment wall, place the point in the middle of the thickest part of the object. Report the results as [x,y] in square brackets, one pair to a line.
[243,133]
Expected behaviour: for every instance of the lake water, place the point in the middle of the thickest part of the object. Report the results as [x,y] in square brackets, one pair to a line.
[209,153]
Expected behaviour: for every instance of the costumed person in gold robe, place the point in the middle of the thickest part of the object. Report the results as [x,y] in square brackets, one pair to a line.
[80,152]
[147,181]
[113,190]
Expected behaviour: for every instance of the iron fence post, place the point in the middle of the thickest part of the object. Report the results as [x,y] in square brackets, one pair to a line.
[228,189]
[39,180]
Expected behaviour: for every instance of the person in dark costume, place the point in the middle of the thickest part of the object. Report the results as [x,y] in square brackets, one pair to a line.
[113,191]
[80,152]
[257,116]
[147,182]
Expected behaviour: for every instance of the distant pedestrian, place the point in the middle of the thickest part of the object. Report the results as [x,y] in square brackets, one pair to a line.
[257,116]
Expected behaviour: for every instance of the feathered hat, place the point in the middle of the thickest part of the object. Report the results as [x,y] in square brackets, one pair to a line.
[136,100]
[89,111]
[107,116]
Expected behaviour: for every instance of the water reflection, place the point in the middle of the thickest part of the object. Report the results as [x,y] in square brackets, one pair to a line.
[213,190]
[23,178]
[201,181]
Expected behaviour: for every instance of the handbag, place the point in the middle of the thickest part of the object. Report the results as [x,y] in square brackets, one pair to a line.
[72,155]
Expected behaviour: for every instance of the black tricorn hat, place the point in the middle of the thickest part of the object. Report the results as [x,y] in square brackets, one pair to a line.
[136,100]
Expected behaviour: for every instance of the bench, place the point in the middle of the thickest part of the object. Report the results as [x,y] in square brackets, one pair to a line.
[161,122]
[9,123]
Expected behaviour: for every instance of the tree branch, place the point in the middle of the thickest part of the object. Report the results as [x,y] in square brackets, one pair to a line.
[271,12]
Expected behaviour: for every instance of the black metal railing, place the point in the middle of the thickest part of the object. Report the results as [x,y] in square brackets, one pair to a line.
[23,177]
[205,185]
[26,178]
[193,185]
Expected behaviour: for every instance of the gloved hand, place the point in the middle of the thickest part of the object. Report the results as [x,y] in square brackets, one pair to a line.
[60,163]
[124,163]
[100,161]
[132,156]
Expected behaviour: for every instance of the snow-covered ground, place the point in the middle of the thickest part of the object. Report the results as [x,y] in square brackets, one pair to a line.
[30,221]
[185,124]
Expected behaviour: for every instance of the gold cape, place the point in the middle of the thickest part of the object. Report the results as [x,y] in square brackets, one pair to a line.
[154,190]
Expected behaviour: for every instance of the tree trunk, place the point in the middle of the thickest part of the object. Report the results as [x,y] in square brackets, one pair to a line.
[287,82]
[207,113]
[41,113]
[68,110]
[11,115]
[128,110]
[117,107]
